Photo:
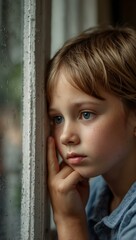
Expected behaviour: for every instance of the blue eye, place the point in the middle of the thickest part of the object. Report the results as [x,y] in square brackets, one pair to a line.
[86,115]
[58,120]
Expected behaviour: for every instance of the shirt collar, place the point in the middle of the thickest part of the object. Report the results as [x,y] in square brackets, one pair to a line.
[100,213]
[115,217]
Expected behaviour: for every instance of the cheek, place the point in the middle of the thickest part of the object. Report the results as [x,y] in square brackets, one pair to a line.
[107,136]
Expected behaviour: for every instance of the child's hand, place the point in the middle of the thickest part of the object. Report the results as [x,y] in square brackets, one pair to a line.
[68,190]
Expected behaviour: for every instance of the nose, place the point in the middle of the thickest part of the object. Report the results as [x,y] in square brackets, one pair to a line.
[70,135]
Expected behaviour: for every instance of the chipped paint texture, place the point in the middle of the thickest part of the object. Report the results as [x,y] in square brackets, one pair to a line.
[35,214]
[28,174]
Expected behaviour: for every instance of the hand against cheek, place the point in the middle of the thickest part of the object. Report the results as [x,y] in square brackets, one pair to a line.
[68,190]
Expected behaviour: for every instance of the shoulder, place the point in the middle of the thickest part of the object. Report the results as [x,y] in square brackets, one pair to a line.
[128,223]
[127,226]
[122,221]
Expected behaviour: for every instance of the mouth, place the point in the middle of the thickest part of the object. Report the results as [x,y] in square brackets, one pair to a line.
[74,158]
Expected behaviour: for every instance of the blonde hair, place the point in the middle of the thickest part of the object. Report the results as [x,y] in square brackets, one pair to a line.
[98,58]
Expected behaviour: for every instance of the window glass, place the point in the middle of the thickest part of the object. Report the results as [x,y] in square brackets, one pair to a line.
[11,37]
[69,18]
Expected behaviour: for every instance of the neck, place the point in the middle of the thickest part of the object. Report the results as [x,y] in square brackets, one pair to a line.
[120,183]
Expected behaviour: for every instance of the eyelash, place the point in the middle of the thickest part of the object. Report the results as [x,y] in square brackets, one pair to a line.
[58,118]
[85,115]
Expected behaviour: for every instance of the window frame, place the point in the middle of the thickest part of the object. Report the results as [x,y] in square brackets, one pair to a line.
[35,215]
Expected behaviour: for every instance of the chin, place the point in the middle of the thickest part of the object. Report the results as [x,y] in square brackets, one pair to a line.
[86,174]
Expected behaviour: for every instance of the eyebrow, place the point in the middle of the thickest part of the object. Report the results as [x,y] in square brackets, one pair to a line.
[80,104]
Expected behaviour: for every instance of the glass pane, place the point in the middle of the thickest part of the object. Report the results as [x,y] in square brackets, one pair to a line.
[11,37]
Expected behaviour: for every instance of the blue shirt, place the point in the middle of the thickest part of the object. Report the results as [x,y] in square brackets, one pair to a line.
[118,225]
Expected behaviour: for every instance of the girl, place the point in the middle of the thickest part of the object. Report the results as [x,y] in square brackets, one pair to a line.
[91,95]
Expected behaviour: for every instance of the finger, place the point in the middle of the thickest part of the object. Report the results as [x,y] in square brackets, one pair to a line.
[72,180]
[65,171]
[52,161]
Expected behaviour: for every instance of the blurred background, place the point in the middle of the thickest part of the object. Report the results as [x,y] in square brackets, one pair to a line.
[11,69]
[68,18]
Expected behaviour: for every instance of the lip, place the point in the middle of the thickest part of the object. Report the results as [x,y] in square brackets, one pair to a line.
[74,158]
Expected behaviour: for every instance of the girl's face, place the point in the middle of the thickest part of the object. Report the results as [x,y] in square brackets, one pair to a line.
[93,136]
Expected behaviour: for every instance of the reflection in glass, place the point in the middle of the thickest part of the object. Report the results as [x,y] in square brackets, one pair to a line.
[11,15]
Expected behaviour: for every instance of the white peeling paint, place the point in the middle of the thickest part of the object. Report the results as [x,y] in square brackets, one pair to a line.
[28,172]
[35,208]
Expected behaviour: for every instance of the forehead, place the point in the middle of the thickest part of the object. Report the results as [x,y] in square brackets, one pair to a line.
[65,96]
[63,87]
[65,83]
[65,92]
